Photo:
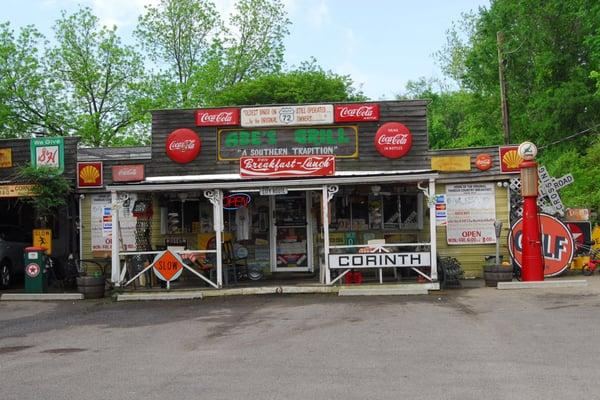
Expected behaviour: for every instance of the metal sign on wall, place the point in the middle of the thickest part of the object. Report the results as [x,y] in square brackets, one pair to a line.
[5,158]
[339,141]
[286,166]
[90,174]
[25,190]
[48,152]
[310,114]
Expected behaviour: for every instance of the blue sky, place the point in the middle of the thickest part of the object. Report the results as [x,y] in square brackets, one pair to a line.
[381,44]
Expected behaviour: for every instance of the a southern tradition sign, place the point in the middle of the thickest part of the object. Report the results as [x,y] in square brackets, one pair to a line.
[286,166]
[380,260]
[311,114]
[339,141]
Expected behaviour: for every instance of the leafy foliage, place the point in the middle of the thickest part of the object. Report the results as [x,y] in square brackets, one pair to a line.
[51,189]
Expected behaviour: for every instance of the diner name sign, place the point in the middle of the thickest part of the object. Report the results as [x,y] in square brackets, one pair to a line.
[338,141]
[313,114]
[294,166]
[380,260]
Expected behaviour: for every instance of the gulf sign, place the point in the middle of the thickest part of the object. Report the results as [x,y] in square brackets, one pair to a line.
[90,174]
[557,244]
[356,112]
[217,116]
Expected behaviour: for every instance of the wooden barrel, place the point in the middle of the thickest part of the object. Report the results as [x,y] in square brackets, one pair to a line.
[494,273]
[91,287]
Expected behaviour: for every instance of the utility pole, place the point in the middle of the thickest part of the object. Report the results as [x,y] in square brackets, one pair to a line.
[503,96]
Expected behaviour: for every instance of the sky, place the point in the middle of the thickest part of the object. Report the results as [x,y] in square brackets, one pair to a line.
[381,44]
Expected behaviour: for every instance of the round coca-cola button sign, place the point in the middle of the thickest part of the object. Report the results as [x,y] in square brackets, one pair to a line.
[183,145]
[393,140]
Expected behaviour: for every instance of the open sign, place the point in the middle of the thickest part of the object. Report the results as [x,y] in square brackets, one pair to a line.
[236,200]
[557,244]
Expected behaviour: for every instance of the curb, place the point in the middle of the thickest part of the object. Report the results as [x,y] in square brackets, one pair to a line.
[542,284]
[41,296]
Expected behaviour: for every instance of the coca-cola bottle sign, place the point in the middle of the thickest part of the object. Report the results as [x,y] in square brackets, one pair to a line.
[183,145]
[393,140]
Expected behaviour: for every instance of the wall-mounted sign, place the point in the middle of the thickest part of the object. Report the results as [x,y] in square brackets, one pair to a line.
[557,244]
[43,238]
[483,162]
[128,173]
[287,166]
[340,141]
[577,214]
[509,159]
[451,163]
[5,158]
[48,152]
[90,174]
[311,114]
[236,200]
[379,260]
[356,112]
[183,145]
[101,222]
[167,266]
[16,190]
[393,140]
[273,191]
[471,209]
[217,116]
[441,210]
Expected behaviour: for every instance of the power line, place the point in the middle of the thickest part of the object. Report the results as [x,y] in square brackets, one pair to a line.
[570,137]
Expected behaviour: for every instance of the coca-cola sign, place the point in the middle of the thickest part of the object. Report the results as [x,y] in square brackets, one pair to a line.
[393,140]
[128,173]
[183,145]
[287,166]
[217,116]
[356,112]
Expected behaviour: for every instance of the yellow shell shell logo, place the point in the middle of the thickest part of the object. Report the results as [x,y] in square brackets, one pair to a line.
[89,174]
[512,159]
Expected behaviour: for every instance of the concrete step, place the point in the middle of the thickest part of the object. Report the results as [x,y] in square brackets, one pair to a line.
[382,291]
[559,283]
[41,296]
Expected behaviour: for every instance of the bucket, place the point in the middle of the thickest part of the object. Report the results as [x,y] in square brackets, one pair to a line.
[494,273]
[91,287]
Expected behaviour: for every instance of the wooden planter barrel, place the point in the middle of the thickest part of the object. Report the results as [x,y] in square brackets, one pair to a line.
[494,273]
[91,287]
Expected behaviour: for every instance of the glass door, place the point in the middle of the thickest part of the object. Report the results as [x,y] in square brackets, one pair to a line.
[291,243]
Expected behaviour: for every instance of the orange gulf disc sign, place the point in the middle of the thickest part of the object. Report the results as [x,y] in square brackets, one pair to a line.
[167,266]
[557,244]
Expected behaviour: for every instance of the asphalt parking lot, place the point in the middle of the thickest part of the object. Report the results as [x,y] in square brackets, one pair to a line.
[463,344]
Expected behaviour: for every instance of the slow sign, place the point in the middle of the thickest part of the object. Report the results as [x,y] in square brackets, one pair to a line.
[167,266]
[393,140]
[557,244]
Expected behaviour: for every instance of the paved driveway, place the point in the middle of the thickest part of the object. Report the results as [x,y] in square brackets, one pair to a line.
[475,344]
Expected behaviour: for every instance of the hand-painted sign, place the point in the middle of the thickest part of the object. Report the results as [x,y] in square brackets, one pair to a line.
[393,140]
[183,145]
[451,163]
[236,200]
[128,173]
[509,159]
[90,174]
[167,266]
[356,112]
[217,116]
[340,141]
[379,260]
[557,244]
[43,238]
[483,162]
[48,152]
[6,158]
[310,114]
[16,190]
[286,166]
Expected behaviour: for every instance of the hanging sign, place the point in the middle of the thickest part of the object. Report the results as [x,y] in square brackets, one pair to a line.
[48,152]
[6,158]
[483,162]
[557,244]
[393,140]
[288,166]
[236,200]
[43,238]
[311,114]
[217,116]
[167,266]
[340,141]
[471,212]
[509,159]
[128,173]
[17,190]
[379,260]
[183,145]
[90,174]
[356,112]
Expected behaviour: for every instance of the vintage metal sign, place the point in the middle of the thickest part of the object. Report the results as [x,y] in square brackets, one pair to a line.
[509,159]
[167,266]
[5,158]
[356,112]
[90,174]
[16,190]
[483,162]
[557,244]
[310,114]
[393,140]
[547,188]
[451,163]
[128,173]
[340,141]
[380,260]
[183,145]
[577,214]
[48,152]
[43,238]
[217,116]
[287,166]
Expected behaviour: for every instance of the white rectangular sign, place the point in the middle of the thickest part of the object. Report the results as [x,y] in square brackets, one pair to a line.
[471,210]
[311,114]
[379,260]
[101,226]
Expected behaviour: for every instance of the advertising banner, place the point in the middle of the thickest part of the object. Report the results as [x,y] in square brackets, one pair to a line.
[471,212]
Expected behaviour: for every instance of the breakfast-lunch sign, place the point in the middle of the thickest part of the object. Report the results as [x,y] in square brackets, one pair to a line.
[287,166]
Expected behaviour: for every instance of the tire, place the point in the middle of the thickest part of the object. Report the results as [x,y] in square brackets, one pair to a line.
[5,275]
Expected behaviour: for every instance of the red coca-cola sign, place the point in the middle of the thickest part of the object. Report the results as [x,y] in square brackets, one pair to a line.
[128,173]
[356,112]
[217,116]
[286,166]
[183,145]
[393,140]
